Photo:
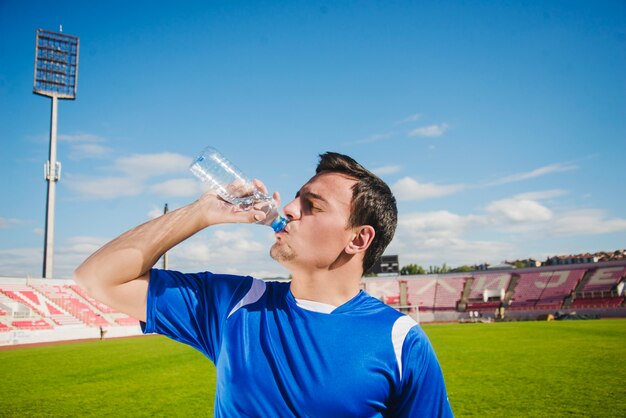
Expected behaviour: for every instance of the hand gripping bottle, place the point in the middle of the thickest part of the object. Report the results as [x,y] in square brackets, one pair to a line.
[234,187]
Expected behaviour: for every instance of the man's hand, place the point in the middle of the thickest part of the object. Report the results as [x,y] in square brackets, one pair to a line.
[219,211]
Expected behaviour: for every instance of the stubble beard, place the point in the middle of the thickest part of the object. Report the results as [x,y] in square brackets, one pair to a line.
[281,252]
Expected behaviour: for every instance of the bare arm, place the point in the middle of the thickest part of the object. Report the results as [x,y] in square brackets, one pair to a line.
[118,273]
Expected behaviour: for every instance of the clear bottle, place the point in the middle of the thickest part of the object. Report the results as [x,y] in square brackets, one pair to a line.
[234,187]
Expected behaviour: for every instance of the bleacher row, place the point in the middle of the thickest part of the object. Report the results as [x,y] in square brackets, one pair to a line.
[544,288]
[43,306]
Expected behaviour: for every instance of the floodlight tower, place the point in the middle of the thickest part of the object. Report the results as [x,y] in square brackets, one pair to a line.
[165,257]
[56,76]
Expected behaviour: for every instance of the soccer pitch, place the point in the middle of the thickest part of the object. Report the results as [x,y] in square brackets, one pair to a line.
[524,369]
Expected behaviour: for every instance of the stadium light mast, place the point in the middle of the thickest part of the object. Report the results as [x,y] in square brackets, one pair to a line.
[165,257]
[56,76]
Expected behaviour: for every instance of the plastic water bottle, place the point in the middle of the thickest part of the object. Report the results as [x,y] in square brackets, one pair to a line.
[234,187]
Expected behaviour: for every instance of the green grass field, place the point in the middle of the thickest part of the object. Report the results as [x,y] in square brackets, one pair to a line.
[523,369]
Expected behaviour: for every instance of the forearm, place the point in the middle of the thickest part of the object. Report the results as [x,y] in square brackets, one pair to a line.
[132,254]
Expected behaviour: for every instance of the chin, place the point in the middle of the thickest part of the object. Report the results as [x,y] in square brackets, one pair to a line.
[281,253]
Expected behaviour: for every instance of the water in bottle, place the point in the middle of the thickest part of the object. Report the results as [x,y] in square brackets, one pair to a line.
[233,186]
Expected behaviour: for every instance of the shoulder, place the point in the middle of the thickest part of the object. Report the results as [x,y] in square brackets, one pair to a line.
[371,306]
[216,288]
[269,293]
[204,277]
[405,336]
[397,328]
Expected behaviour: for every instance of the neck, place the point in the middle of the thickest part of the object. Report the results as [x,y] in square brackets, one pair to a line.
[330,287]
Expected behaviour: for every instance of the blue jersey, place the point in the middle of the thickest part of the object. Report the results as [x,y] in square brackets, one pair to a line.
[277,359]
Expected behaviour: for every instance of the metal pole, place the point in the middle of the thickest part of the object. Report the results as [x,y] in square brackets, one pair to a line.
[165,258]
[52,176]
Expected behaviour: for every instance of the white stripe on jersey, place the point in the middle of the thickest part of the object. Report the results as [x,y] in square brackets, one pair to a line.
[254,294]
[400,329]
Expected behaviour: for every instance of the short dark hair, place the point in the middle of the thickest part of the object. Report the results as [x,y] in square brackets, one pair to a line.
[372,203]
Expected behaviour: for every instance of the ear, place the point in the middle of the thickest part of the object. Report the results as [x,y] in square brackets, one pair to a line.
[361,240]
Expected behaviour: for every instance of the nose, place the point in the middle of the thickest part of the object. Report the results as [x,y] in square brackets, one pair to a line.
[292,209]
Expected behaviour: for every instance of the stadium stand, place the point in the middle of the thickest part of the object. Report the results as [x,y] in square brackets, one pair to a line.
[126,320]
[604,279]
[101,306]
[24,295]
[448,291]
[598,303]
[547,289]
[35,310]
[492,282]
[421,292]
[558,287]
[38,310]
[384,289]
[529,287]
[518,292]
[65,298]
[38,324]
[486,291]
[599,289]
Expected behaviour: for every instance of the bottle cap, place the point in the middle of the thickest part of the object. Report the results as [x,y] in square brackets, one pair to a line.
[279,224]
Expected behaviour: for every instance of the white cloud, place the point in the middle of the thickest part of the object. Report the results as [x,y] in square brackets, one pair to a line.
[374,138]
[541,195]
[83,145]
[387,169]
[541,171]
[432,224]
[434,238]
[410,189]
[104,187]
[176,188]
[83,245]
[150,165]
[227,249]
[80,137]
[513,227]
[21,262]
[81,151]
[8,222]
[409,119]
[520,210]
[136,170]
[73,252]
[233,249]
[587,222]
[430,131]
[154,212]
[452,251]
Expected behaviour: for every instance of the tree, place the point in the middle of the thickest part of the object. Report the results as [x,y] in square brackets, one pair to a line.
[439,270]
[412,269]
[463,269]
[519,264]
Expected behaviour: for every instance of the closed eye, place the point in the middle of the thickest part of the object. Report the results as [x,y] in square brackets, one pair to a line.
[311,201]
[310,205]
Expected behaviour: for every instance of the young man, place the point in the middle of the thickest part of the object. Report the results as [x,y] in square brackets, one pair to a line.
[316,346]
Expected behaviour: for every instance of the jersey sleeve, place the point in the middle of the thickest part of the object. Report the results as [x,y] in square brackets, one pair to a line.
[192,308]
[422,390]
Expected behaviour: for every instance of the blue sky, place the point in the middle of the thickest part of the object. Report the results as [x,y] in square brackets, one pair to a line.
[500,126]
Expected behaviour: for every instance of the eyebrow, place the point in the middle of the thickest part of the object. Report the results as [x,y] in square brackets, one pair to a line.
[311,195]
